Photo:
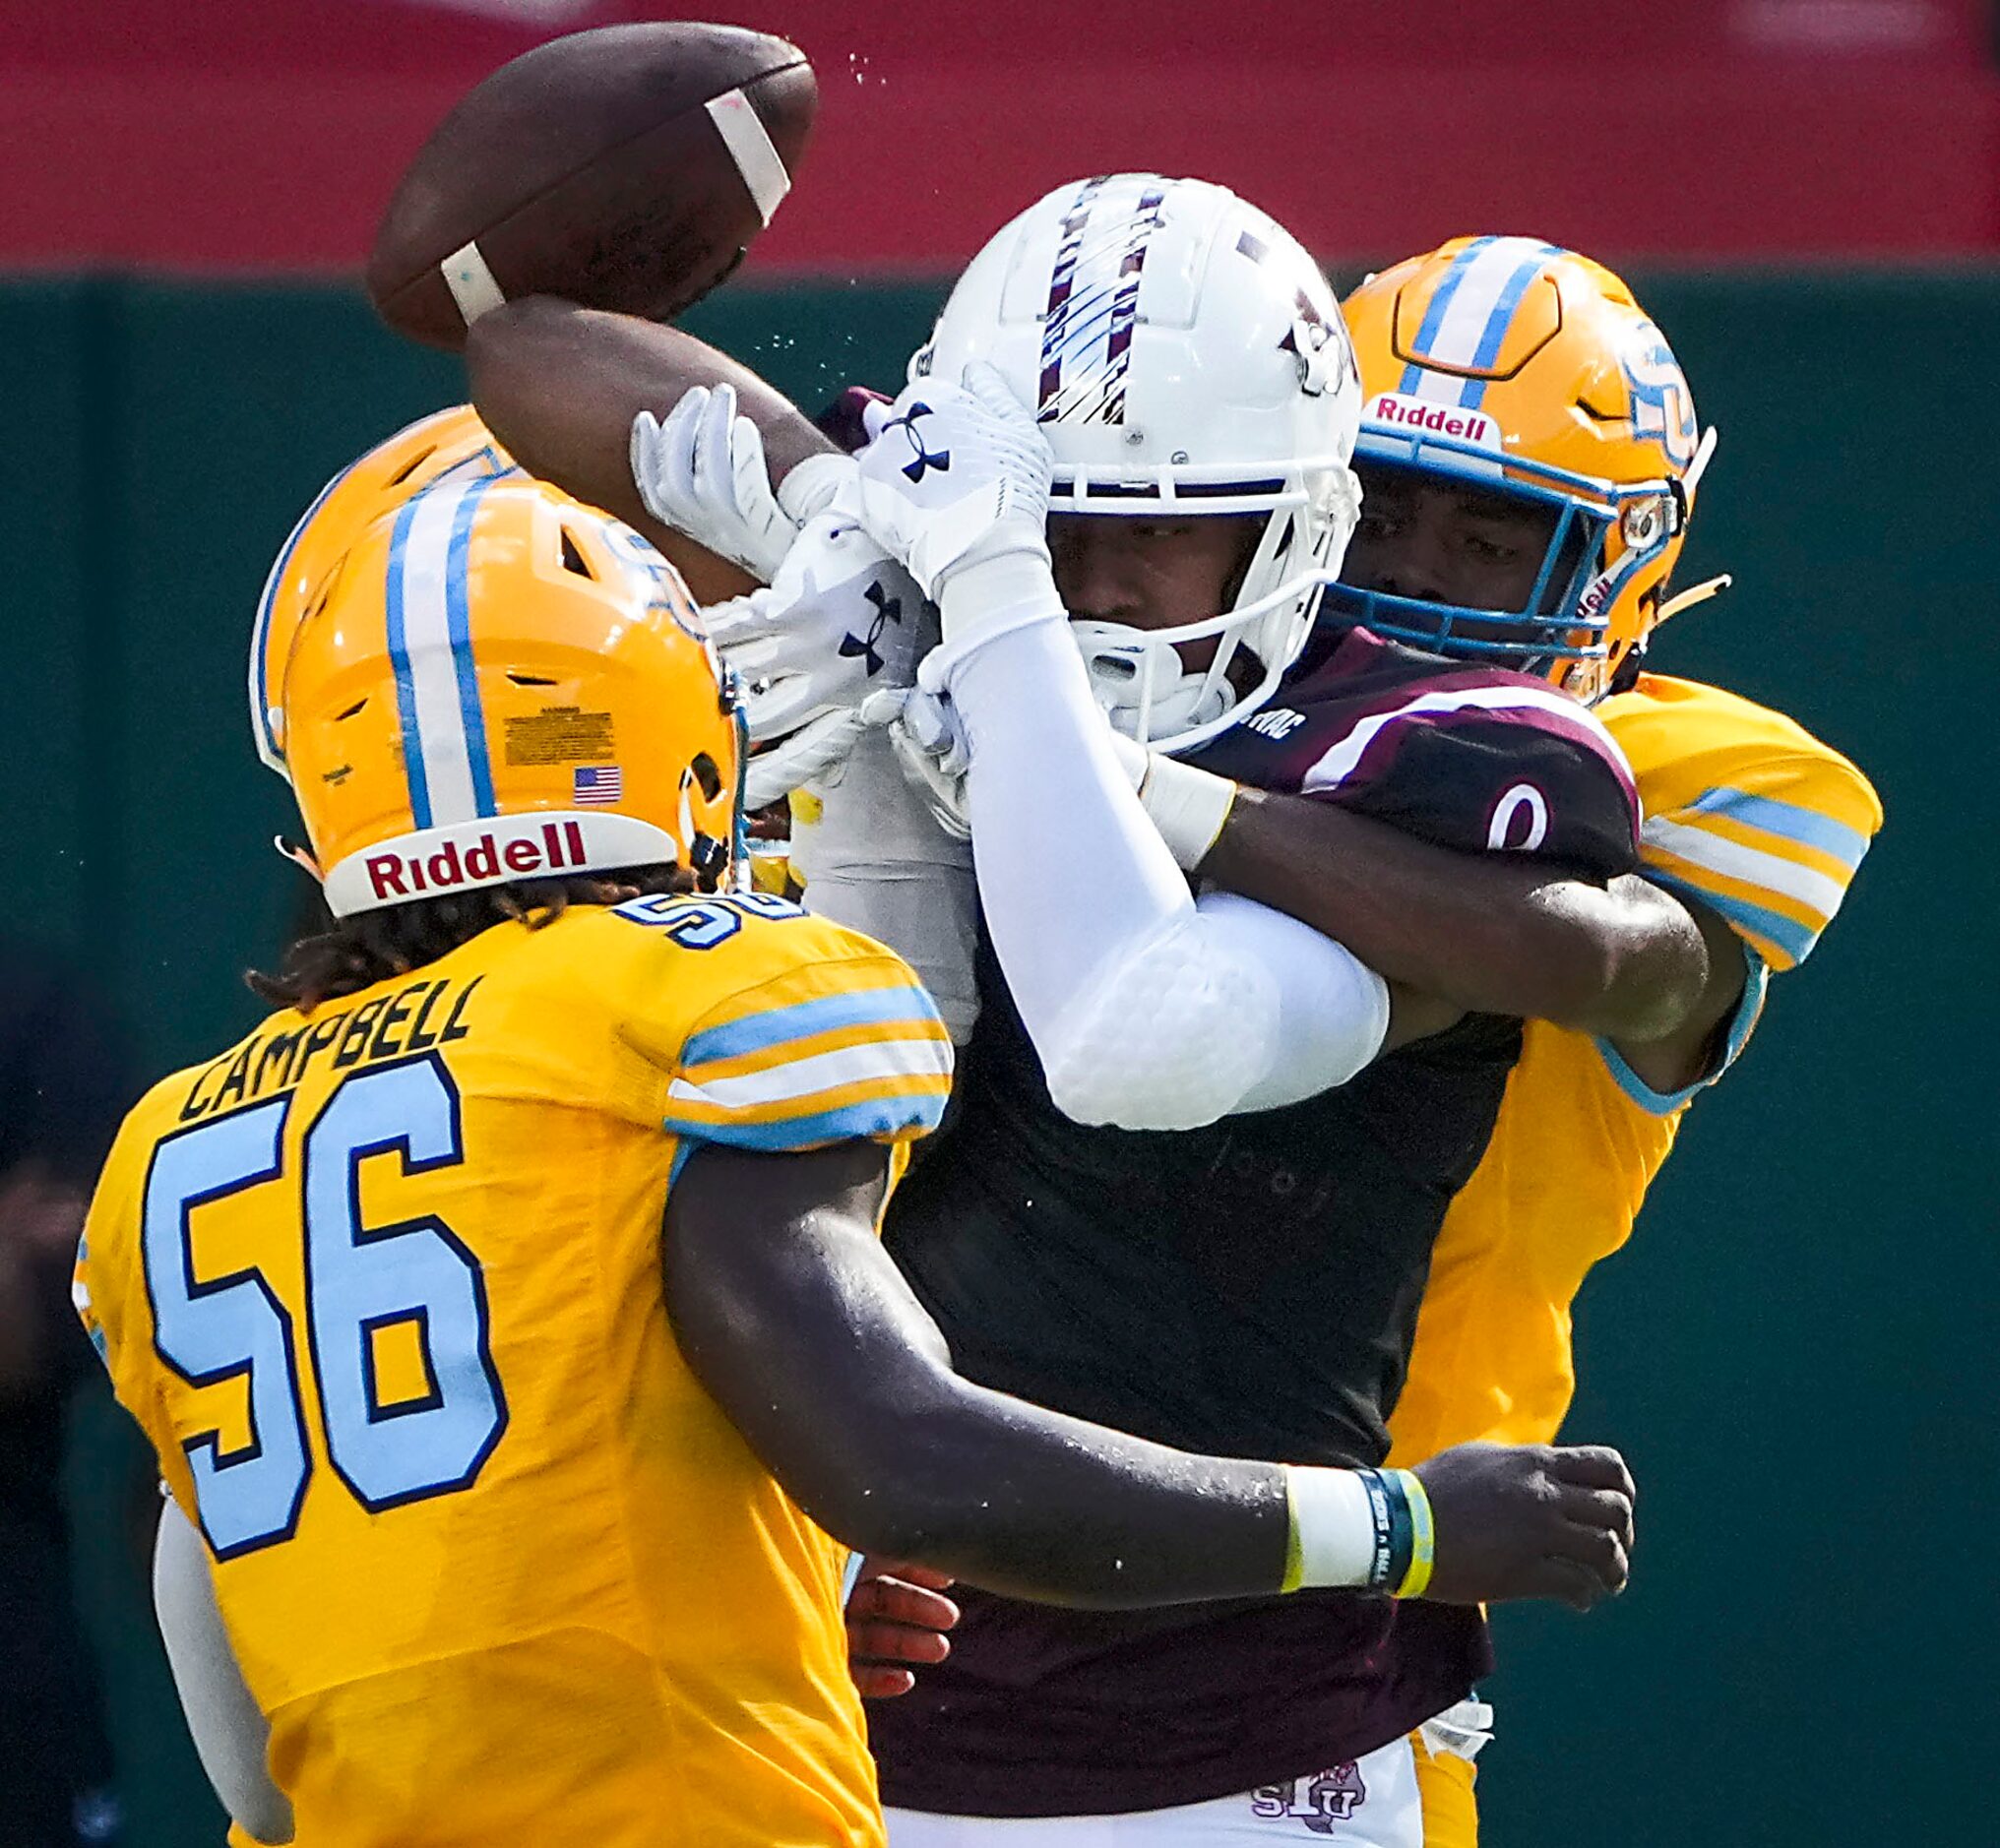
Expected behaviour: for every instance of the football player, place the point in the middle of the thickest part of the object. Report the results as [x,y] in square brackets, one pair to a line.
[506,1311]
[1529,458]
[1259,1270]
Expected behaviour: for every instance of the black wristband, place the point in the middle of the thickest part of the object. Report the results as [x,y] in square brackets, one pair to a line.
[1395,1530]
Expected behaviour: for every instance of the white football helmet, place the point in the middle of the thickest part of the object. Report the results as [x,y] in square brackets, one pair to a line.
[1183,356]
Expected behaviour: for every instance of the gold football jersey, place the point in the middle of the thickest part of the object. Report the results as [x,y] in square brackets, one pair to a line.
[383,1286]
[1748,813]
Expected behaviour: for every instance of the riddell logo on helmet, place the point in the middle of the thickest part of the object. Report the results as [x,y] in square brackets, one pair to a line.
[554,847]
[1417,413]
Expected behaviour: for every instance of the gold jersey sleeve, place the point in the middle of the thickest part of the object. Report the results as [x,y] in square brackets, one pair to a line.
[1751,814]
[383,1288]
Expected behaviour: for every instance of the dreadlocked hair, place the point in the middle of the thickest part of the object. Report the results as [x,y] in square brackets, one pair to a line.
[356,953]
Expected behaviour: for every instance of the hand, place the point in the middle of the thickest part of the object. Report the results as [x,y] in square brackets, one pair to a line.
[839,621]
[815,754]
[930,750]
[897,1621]
[1529,1522]
[703,472]
[957,475]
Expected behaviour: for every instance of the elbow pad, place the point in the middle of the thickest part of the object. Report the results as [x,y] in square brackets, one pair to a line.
[1171,1037]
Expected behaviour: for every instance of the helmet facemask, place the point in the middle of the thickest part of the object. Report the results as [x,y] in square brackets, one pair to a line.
[1140,676]
[1607,544]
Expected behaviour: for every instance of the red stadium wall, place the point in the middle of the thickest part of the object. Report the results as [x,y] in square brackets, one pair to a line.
[265,134]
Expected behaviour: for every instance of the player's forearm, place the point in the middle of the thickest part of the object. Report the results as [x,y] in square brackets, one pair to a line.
[1024,1502]
[1491,933]
[805,1333]
[1142,1015]
[559,386]
[231,1733]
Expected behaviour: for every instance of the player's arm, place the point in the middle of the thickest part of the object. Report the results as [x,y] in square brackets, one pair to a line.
[1493,933]
[1149,1009]
[803,1331]
[1759,835]
[560,386]
[231,1733]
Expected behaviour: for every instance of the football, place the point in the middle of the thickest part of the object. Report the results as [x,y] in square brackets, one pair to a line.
[626,168]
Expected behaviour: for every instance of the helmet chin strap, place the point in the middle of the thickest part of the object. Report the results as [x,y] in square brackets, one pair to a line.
[1688,598]
[299,856]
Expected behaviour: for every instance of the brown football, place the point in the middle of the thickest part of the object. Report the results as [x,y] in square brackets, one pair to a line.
[627,168]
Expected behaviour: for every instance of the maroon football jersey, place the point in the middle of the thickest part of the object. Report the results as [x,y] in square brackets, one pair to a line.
[1250,1288]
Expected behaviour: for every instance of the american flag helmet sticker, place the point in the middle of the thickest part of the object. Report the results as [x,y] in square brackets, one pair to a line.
[596,783]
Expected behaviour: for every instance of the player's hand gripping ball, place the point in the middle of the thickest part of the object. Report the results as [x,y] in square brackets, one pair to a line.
[626,168]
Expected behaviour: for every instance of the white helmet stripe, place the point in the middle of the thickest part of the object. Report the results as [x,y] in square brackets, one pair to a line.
[1468,316]
[443,731]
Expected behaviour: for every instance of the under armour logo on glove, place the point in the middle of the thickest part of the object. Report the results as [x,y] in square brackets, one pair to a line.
[922,460]
[888,609]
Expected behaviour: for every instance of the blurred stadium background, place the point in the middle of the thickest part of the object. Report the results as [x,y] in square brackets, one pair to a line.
[1797,1353]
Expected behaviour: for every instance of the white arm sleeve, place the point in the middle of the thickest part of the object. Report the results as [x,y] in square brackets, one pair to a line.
[877,862]
[231,1733]
[1148,1010]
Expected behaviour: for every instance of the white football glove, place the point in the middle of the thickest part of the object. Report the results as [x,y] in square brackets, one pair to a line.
[931,752]
[840,620]
[703,472]
[957,476]
[815,754]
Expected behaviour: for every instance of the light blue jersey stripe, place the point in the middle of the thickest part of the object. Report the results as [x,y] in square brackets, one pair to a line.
[884,1116]
[1807,826]
[755,1033]
[399,656]
[458,620]
[1749,1005]
[1793,938]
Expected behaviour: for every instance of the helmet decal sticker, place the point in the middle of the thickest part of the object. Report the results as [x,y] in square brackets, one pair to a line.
[1093,308]
[1663,406]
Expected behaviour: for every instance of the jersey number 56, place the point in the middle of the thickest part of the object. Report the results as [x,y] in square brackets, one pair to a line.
[359,1280]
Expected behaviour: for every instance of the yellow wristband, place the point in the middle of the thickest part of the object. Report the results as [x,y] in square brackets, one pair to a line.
[1423,1537]
[1294,1554]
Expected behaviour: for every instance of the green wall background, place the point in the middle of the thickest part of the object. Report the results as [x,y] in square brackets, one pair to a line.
[1797,1353]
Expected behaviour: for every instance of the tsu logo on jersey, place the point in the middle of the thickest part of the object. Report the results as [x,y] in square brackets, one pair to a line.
[1663,406]
[1318,1802]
